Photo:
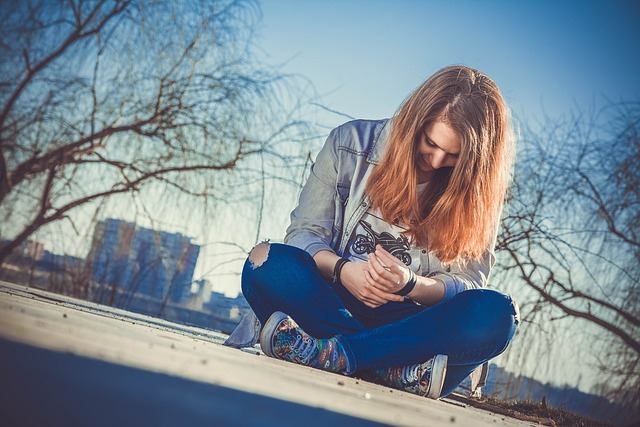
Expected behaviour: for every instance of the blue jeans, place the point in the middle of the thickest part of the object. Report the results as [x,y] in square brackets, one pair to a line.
[471,328]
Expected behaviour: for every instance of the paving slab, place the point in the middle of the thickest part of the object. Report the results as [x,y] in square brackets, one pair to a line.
[65,361]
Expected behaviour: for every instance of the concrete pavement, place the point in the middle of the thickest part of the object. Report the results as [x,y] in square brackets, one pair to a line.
[70,362]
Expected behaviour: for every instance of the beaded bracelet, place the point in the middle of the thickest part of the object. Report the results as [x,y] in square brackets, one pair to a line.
[411,283]
[338,269]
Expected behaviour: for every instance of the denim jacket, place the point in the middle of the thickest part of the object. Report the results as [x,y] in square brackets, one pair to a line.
[333,201]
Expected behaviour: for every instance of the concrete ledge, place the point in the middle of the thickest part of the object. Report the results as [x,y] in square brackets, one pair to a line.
[106,366]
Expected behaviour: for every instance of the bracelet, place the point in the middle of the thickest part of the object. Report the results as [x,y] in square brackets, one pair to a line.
[411,283]
[338,269]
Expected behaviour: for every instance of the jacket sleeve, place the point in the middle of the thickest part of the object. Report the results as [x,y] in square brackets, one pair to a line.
[474,274]
[311,227]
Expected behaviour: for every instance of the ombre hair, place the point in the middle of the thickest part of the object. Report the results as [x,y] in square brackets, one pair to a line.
[457,216]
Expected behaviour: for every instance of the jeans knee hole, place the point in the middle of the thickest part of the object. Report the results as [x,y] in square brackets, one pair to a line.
[259,254]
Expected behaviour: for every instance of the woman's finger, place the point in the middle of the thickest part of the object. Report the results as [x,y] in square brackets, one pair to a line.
[374,281]
[381,292]
[397,267]
[383,296]
[388,283]
[372,295]
[387,258]
[380,272]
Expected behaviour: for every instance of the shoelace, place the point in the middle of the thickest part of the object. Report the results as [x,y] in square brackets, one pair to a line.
[303,349]
[411,374]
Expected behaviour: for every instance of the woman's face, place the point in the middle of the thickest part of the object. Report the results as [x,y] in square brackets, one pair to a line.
[439,147]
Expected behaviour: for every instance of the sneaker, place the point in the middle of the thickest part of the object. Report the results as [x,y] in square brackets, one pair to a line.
[424,379]
[282,338]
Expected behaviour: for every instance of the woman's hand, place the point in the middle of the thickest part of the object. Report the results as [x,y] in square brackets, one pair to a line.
[387,272]
[357,277]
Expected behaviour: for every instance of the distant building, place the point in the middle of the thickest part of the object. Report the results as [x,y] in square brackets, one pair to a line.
[32,265]
[128,260]
[133,268]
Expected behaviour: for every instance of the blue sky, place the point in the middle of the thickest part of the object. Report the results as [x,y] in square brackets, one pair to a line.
[365,57]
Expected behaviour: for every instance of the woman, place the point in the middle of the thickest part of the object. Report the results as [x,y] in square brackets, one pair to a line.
[388,250]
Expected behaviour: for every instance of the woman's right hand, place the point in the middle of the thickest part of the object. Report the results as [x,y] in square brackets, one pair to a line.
[356,278]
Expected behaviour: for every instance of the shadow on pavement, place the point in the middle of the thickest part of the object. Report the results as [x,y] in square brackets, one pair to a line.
[48,388]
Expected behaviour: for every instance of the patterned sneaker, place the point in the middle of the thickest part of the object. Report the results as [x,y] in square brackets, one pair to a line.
[424,379]
[282,338]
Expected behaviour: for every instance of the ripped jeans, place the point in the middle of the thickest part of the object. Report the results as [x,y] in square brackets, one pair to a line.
[471,328]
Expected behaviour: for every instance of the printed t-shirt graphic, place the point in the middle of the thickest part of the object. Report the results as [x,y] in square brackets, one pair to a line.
[372,230]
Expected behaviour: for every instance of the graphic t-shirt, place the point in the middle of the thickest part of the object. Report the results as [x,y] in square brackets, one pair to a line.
[372,230]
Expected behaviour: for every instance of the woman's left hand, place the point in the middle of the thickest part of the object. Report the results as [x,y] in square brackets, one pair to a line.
[387,272]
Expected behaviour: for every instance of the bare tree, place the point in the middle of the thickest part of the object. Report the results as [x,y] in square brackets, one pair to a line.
[572,238]
[105,98]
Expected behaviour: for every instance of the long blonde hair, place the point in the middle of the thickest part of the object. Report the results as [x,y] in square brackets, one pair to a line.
[457,216]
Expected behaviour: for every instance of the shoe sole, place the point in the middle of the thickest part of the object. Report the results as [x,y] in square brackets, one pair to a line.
[438,373]
[268,330]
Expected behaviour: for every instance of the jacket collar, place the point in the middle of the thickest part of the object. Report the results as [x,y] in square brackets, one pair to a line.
[380,143]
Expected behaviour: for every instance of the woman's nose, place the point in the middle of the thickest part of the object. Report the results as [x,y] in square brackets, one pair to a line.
[437,159]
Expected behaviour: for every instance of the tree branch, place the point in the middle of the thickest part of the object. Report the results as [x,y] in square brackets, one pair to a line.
[70,40]
[628,339]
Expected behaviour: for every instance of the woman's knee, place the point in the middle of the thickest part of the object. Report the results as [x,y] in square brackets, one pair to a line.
[490,301]
[272,265]
[259,255]
[491,311]
[266,253]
